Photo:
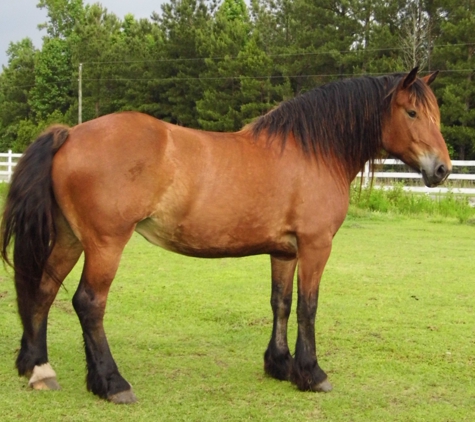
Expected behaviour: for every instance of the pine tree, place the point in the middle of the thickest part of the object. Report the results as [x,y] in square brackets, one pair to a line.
[222,42]
[176,87]
[454,54]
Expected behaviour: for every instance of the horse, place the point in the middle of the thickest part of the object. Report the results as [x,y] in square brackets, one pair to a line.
[279,186]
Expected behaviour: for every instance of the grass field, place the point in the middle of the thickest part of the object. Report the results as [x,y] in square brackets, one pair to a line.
[395,333]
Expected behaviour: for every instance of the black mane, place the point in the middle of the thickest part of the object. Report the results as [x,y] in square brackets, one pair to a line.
[342,119]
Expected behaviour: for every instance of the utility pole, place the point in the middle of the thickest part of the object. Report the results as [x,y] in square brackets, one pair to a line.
[80,94]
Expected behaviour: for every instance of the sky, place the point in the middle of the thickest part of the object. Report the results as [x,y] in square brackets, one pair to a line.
[20,18]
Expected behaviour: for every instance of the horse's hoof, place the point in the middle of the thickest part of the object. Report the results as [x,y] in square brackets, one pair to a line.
[45,384]
[124,397]
[43,377]
[323,387]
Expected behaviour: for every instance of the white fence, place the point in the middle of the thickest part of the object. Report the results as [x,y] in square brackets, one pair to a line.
[382,179]
[7,162]
[459,181]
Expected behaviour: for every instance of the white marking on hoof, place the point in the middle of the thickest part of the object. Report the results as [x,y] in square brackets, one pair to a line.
[42,376]
[46,384]
[124,397]
[324,387]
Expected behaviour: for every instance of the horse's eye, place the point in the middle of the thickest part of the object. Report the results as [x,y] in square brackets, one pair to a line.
[411,113]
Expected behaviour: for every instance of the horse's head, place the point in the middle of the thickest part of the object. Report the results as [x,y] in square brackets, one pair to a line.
[412,130]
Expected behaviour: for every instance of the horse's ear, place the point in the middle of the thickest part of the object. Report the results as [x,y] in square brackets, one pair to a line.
[430,78]
[410,78]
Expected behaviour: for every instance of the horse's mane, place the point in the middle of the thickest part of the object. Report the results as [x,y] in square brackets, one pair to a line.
[342,119]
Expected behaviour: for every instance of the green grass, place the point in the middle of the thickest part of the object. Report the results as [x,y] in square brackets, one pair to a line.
[395,333]
[397,201]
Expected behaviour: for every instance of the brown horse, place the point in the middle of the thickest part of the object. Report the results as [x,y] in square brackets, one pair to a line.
[280,187]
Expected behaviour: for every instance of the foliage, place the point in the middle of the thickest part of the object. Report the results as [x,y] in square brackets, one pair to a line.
[455,55]
[175,76]
[218,64]
[16,82]
[52,79]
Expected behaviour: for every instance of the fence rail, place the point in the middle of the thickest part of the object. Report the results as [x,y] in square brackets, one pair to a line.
[382,179]
[385,179]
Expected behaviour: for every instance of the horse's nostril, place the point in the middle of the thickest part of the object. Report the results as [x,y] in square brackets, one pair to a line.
[441,171]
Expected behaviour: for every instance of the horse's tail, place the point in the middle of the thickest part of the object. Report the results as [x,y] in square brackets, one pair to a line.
[29,214]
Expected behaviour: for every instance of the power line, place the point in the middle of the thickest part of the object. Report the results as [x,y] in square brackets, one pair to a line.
[355,51]
[234,77]
[314,53]
[316,75]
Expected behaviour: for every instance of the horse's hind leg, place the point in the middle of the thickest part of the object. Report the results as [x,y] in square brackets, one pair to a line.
[101,260]
[278,362]
[32,360]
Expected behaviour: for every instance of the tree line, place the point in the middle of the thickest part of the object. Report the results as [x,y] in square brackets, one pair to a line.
[216,65]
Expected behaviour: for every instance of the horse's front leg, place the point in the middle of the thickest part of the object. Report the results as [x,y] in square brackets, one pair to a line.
[278,362]
[307,374]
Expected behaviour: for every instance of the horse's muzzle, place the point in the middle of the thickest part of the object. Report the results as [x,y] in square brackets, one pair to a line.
[436,174]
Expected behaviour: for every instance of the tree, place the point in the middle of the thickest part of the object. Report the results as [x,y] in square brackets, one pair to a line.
[63,17]
[262,88]
[222,42]
[377,45]
[176,86]
[92,45]
[415,35]
[16,82]
[455,54]
[53,74]
[138,46]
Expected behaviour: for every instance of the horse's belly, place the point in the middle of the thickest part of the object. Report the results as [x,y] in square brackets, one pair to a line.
[200,241]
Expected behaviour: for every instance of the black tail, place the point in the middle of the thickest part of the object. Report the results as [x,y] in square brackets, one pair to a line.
[29,215]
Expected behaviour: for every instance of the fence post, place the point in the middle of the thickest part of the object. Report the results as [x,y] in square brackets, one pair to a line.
[366,175]
[9,165]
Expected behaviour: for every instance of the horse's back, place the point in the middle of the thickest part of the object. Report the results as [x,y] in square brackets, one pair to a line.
[110,170]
